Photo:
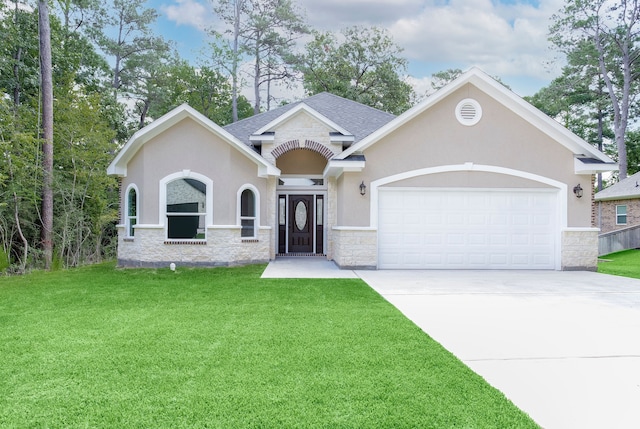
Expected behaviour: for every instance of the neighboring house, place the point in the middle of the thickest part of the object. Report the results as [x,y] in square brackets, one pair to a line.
[617,211]
[471,178]
[618,206]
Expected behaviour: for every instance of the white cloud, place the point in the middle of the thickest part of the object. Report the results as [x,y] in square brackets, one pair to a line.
[502,39]
[338,14]
[187,12]
[506,38]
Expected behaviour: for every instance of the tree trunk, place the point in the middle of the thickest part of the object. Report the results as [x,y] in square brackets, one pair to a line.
[600,143]
[47,132]
[256,78]
[16,74]
[236,53]
[143,113]
[25,243]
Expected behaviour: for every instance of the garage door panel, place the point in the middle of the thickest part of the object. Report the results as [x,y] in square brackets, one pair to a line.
[467,229]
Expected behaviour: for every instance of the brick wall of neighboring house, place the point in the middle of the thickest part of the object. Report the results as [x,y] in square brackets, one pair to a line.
[607,212]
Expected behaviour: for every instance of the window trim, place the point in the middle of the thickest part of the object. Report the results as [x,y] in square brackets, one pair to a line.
[208,216]
[127,217]
[255,217]
[626,214]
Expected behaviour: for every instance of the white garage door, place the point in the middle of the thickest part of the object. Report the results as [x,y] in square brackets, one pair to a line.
[465,229]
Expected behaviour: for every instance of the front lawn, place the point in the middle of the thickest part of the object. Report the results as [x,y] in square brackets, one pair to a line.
[221,348]
[625,263]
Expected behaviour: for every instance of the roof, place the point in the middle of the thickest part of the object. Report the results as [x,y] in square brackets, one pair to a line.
[597,161]
[118,166]
[344,115]
[626,189]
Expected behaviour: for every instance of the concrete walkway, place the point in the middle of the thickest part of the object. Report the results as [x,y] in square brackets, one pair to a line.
[563,346]
[305,267]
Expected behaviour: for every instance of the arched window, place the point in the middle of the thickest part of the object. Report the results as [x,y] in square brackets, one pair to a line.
[186,209]
[131,210]
[249,202]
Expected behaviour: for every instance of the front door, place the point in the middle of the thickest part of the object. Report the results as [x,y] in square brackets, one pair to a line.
[301,223]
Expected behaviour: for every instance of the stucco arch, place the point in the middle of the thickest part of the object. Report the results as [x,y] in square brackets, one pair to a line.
[561,198]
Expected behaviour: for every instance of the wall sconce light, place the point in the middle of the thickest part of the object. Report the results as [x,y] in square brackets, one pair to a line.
[578,190]
[363,188]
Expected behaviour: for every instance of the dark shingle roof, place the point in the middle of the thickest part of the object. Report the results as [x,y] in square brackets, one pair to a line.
[358,119]
[624,189]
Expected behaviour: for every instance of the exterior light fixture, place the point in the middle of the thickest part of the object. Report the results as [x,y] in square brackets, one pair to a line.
[578,190]
[363,188]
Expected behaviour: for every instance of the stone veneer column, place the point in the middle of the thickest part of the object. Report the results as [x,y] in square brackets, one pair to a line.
[272,214]
[580,249]
[356,248]
[332,216]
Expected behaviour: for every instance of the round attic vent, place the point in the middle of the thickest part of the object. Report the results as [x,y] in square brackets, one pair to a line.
[468,112]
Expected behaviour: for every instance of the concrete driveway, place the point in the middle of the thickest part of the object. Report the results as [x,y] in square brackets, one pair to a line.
[563,346]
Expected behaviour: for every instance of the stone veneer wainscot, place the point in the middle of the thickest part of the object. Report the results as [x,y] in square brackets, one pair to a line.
[223,247]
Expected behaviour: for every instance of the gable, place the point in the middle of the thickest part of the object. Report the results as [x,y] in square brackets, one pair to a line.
[477,84]
[349,118]
[436,137]
[119,165]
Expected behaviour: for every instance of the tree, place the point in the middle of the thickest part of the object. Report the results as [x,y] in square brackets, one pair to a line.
[46,79]
[132,37]
[269,36]
[85,116]
[613,29]
[231,12]
[263,30]
[204,88]
[365,67]
[442,78]
[577,99]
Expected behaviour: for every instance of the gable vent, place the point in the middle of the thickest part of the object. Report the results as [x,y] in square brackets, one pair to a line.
[468,112]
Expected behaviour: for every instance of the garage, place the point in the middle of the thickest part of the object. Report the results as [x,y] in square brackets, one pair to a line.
[467,228]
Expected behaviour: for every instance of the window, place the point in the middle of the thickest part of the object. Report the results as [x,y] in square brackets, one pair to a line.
[621,215]
[248,211]
[131,210]
[186,209]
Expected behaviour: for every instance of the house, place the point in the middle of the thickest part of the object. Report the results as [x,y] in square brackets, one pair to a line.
[471,178]
[617,212]
[618,206]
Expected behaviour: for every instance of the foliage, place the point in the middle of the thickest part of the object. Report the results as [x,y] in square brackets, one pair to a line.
[204,88]
[612,31]
[444,77]
[365,67]
[85,199]
[577,98]
[223,348]
[85,196]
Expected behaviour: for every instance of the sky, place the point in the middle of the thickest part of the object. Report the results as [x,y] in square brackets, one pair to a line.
[505,38]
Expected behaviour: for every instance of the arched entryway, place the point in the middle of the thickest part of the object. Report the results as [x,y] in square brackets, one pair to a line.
[301,194]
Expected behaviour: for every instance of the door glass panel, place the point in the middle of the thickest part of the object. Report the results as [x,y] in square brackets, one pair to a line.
[319,211]
[282,208]
[301,215]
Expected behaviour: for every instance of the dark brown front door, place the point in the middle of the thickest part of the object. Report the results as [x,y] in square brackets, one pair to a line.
[301,223]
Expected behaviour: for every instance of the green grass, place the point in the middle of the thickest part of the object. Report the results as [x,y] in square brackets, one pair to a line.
[625,263]
[99,347]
